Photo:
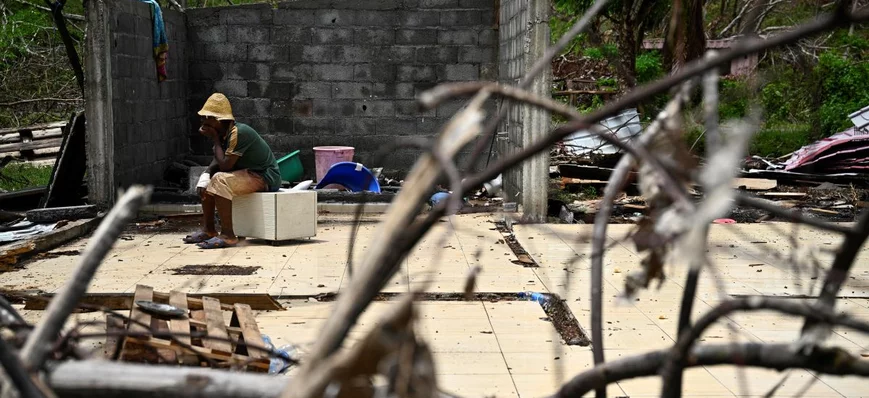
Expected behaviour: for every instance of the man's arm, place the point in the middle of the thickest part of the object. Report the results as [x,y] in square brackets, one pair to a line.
[214,167]
[223,161]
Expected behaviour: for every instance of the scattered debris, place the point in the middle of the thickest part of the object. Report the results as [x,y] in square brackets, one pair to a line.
[66,185]
[522,257]
[214,270]
[61,253]
[220,345]
[559,314]
[55,214]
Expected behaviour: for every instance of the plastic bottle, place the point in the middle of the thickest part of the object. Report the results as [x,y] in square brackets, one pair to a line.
[534,296]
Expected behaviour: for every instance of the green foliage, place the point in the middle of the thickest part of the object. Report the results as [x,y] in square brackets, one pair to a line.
[780,139]
[607,82]
[733,99]
[844,87]
[34,64]
[596,103]
[593,53]
[564,16]
[16,176]
[649,66]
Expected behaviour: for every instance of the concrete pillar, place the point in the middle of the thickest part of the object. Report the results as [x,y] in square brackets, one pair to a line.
[524,36]
[535,173]
[98,104]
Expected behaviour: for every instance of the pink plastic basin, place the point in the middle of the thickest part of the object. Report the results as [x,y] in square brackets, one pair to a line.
[326,156]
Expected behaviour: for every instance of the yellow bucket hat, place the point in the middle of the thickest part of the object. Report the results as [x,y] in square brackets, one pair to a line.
[217,106]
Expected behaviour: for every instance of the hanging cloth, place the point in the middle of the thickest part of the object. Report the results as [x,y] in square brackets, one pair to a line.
[161,45]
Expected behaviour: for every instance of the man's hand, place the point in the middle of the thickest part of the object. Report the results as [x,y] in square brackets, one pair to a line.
[202,184]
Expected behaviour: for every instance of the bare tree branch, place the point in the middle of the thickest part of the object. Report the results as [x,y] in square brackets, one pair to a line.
[17,373]
[39,343]
[678,354]
[832,361]
[73,17]
[31,101]
[614,186]
[814,333]
[789,214]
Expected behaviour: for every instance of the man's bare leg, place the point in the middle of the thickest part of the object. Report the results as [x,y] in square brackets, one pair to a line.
[208,214]
[224,209]
[208,229]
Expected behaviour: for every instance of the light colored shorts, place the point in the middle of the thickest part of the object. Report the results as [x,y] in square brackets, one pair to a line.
[236,183]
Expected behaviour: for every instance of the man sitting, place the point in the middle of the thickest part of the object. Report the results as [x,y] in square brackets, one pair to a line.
[243,163]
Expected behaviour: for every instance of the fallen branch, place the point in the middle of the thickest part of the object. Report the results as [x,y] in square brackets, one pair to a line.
[35,100]
[833,361]
[617,180]
[678,354]
[789,214]
[814,333]
[40,342]
[16,372]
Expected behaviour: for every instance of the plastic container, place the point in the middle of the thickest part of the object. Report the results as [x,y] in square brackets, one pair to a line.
[350,175]
[326,156]
[291,167]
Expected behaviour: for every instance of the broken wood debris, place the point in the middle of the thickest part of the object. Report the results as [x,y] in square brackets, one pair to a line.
[55,214]
[210,342]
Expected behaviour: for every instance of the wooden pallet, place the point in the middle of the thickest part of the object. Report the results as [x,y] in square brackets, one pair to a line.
[224,345]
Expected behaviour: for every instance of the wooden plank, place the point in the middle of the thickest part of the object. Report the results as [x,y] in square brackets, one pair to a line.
[114,325]
[36,135]
[161,325]
[256,301]
[249,331]
[784,194]
[44,126]
[232,330]
[29,146]
[754,184]
[216,329]
[179,326]
[143,293]
[123,301]
[140,321]
[259,364]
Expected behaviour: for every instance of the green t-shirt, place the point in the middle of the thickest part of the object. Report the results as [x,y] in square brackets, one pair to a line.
[253,154]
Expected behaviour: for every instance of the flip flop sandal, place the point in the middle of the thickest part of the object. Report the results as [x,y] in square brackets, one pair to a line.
[196,237]
[214,243]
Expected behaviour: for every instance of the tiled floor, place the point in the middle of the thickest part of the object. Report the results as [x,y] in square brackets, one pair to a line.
[508,348]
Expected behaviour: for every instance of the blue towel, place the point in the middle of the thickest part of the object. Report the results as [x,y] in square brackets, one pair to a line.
[161,45]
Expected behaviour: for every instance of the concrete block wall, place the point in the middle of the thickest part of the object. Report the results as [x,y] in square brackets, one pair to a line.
[150,118]
[322,72]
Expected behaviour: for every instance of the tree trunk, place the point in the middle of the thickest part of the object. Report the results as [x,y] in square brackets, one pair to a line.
[686,39]
[627,45]
[72,54]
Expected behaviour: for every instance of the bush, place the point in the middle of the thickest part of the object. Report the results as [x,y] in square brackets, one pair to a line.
[16,176]
[844,89]
[593,53]
[780,139]
[648,67]
[733,99]
[605,82]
